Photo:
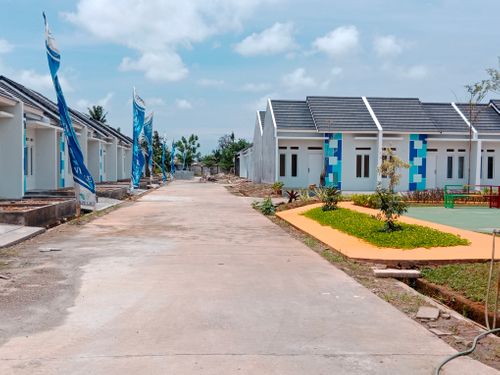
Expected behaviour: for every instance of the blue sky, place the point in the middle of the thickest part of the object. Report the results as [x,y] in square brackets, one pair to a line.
[207,66]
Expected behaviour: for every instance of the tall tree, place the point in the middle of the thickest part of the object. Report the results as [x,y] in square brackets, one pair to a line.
[228,148]
[187,150]
[97,113]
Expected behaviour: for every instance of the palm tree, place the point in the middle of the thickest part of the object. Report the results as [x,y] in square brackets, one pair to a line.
[97,113]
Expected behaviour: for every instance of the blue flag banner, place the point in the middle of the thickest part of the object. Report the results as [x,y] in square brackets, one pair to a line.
[148,134]
[139,109]
[163,156]
[172,161]
[84,183]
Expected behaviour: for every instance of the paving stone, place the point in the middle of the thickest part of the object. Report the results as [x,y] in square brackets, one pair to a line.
[12,234]
[430,313]
[396,273]
[439,333]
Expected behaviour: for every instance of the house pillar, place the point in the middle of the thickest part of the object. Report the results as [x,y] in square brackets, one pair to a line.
[380,141]
[476,162]
[46,166]
[333,160]
[418,162]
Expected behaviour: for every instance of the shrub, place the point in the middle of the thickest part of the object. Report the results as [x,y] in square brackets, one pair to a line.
[278,187]
[320,193]
[292,195]
[391,208]
[266,206]
[331,198]
[425,196]
[304,195]
[366,200]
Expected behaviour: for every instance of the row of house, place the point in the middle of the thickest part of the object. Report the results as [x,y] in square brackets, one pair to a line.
[33,153]
[341,141]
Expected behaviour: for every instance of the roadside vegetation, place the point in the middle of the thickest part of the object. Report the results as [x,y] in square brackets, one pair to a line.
[370,229]
[468,279]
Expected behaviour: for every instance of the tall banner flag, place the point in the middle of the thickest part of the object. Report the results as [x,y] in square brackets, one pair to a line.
[148,134]
[163,157]
[84,183]
[172,161]
[139,108]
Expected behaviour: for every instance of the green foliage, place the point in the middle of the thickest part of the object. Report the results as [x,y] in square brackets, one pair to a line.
[304,195]
[468,279]
[187,150]
[320,193]
[97,113]
[366,200]
[331,198]
[371,230]
[225,153]
[425,196]
[277,187]
[391,208]
[266,206]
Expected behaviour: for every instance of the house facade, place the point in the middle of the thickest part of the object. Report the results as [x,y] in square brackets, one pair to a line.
[33,151]
[343,139]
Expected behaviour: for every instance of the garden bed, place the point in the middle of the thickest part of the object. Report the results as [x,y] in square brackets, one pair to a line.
[369,229]
[37,212]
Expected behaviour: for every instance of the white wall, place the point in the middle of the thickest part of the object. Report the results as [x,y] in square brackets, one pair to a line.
[46,150]
[302,178]
[12,153]
[442,160]
[93,159]
[403,152]
[268,150]
[112,161]
[349,180]
[128,163]
[256,176]
[495,146]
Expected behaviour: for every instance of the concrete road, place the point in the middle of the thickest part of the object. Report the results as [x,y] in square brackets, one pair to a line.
[191,280]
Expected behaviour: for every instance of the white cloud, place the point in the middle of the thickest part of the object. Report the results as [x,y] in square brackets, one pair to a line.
[154,102]
[156,29]
[83,104]
[183,104]
[5,46]
[298,79]
[40,82]
[157,66]
[276,39]
[210,82]
[255,87]
[339,42]
[387,46]
[415,72]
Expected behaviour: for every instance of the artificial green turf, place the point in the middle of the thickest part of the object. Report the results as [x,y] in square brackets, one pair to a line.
[370,229]
[467,279]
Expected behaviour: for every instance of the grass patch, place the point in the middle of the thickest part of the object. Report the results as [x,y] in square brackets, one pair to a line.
[469,279]
[370,229]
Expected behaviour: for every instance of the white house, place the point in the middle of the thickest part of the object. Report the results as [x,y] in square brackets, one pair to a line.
[343,139]
[33,153]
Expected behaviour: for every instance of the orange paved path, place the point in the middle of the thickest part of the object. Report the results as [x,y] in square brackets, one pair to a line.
[479,248]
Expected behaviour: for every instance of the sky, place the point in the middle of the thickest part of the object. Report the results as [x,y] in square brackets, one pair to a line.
[206,66]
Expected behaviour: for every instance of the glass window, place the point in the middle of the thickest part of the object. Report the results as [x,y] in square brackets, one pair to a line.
[461,163]
[366,166]
[359,161]
[449,167]
[490,167]
[363,166]
[294,165]
[282,165]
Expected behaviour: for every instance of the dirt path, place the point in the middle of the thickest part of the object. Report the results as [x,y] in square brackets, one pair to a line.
[191,280]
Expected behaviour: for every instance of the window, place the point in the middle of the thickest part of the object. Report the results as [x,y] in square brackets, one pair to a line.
[362,166]
[490,167]
[294,147]
[432,150]
[282,165]
[449,167]
[481,168]
[461,162]
[315,148]
[294,165]
[282,147]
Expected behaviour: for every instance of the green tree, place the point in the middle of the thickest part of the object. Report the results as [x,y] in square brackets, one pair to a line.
[228,148]
[97,113]
[187,150]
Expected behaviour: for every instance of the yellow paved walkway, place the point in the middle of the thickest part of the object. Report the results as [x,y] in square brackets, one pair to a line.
[479,248]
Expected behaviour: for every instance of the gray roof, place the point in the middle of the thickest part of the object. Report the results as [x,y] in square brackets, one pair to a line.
[337,114]
[496,103]
[262,116]
[402,115]
[488,120]
[292,114]
[445,117]
[4,93]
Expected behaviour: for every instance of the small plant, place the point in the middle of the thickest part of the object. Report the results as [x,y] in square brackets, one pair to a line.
[278,187]
[366,200]
[320,193]
[304,195]
[331,198]
[266,206]
[292,195]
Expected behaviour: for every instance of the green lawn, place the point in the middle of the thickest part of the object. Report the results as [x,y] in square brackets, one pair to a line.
[468,279]
[370,229]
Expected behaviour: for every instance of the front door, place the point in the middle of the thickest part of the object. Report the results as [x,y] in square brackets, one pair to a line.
[29,159]
[431,171]
[314,168]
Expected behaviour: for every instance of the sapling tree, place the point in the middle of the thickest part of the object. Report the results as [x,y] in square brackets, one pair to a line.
[392,206]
